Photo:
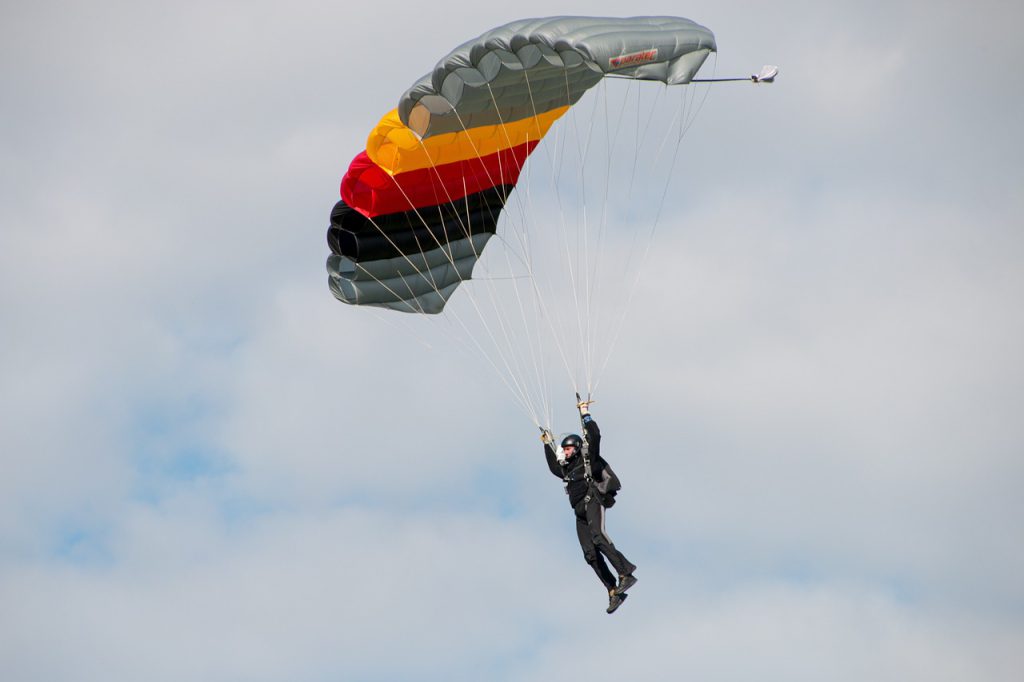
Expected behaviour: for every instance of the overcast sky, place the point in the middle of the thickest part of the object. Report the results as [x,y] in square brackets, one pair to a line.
[212,470]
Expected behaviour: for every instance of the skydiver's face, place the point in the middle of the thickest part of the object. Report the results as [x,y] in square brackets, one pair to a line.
[568,450]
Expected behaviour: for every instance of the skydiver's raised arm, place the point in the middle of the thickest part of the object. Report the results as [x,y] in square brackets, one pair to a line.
[590,426]
[549,453]
[593,435]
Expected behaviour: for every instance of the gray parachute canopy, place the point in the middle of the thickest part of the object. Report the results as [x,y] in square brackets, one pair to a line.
[540,64]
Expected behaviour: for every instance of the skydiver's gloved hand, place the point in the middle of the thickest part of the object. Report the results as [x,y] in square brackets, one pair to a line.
[584,407]
[546,437]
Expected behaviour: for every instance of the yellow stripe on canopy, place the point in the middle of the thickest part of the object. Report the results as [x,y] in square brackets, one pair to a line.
[397,149]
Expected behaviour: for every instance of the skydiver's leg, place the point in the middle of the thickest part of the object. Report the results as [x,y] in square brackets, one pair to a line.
[590,553]
[600,540]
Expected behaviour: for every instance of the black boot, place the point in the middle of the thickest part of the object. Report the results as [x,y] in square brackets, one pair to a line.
[625,582]
[615,601]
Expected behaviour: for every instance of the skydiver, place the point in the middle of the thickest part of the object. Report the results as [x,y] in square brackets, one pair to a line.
[591,486]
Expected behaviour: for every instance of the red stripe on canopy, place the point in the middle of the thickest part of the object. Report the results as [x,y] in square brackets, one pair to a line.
[370,190]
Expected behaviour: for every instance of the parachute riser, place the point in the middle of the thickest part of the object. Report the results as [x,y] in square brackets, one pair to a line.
[587,473]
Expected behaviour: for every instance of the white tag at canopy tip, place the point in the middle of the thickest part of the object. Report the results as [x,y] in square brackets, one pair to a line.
[767,74]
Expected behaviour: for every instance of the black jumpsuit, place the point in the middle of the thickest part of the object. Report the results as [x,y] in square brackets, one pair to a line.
[586,502]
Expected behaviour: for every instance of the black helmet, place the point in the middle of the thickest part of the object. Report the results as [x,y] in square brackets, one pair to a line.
[573,440]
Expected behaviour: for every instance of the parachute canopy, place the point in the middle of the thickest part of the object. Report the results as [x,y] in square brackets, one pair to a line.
[420,203]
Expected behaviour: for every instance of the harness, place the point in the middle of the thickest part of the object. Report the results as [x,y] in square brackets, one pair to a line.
[588,475]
